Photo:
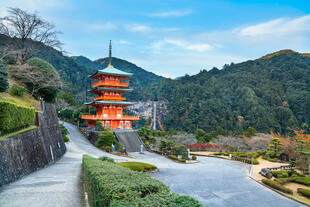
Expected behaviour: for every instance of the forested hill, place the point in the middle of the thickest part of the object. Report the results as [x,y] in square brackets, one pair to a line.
[142,81]
[270,93]
[74,71]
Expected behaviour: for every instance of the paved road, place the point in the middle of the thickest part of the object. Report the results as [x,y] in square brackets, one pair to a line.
[212,181]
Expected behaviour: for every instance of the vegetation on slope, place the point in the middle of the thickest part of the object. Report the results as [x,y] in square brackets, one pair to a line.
[266,94]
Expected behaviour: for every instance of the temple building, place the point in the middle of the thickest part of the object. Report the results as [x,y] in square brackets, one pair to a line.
[110,84]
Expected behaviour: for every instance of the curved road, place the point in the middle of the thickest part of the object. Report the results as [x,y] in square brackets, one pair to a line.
[214,182]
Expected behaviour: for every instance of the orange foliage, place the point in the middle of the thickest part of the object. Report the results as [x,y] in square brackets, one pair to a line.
[289,142]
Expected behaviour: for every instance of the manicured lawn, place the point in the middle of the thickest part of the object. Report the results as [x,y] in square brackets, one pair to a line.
[139,166]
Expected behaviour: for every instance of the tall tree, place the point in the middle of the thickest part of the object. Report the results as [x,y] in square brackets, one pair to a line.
[28,26]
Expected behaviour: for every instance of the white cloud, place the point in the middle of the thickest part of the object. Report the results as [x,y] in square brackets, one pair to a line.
[200,47]
[102,26]
[137,28]
[171,13]
[122,42]
[281,26]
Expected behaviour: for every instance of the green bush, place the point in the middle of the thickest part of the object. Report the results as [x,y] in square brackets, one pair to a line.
[106,138]
[304,192]
[103,158]
[302,180]
[181,150]
[108,148]
[108,184]
[250,132]
[147,144]
[194,157]
[66,139]
[14,117]
[182,160]
[17,90]
[279,173]
[64,130]
[218,153]
[255,162]
[138,166]
[277,186]
[99,126]
[173,157]
[4,84]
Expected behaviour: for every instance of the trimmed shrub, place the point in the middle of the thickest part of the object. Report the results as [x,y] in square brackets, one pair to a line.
[279,173]
[106,138]
[99,126]
[302,180]
[108,184]
[277,186]
[173,157]
[255,162]
[4,84]
[194,157]
[218,153]
[103,158]
[108,149]
[304,192]
[14,117]
[66,139]
[138,166]
[17,90]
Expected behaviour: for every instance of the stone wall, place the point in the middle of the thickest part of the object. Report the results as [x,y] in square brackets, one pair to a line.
[32,150]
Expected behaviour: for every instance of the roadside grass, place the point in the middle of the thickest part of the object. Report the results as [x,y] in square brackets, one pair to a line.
[13,134]
[25,100]
[139,166]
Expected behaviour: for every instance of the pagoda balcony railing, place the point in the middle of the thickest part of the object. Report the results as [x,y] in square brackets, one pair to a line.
[101,117]
[110,97]
[110,83]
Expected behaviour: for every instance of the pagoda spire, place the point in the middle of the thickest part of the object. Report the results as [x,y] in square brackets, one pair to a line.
[110,55]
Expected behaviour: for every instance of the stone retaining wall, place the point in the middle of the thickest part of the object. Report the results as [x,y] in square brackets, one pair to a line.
[32,150]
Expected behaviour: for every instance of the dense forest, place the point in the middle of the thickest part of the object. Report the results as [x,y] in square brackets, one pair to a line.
[270,93]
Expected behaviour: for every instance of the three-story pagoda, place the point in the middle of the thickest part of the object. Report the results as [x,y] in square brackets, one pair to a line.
[109,103]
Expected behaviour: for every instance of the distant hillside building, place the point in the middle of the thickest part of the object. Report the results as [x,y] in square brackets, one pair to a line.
[109,103]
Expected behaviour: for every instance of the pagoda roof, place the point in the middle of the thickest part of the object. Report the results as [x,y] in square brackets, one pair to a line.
[125,90]
[111,102]
[110,70]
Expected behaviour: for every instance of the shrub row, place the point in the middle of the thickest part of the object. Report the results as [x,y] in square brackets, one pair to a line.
[277,186]
[300,180]
[279,173]
[304,192]
[14,117]
[111,185]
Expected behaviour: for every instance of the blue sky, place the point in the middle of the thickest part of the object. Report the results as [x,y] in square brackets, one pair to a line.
[172,38]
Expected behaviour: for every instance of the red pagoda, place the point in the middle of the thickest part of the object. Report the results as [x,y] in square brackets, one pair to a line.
[109,103]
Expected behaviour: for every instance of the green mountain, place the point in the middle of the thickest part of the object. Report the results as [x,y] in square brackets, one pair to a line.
[74,71]
[270,93]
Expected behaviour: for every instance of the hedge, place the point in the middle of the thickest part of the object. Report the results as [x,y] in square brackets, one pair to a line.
[279,173]
[111,185]
[4,84]
[300,180]
[304,192]
[277,186]
[139,166]
[14,117]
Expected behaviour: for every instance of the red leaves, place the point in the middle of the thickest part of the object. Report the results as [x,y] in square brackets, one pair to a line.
[203,146]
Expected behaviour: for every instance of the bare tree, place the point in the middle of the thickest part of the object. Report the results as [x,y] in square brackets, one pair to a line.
[28,26]
[38,79]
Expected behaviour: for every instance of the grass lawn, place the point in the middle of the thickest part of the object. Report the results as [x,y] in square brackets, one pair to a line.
[18,132]
[139,166]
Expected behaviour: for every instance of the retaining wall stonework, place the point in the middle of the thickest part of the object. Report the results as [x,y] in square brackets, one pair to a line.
[32,150]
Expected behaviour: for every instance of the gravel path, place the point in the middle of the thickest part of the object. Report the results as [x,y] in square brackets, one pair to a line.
[215,182]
